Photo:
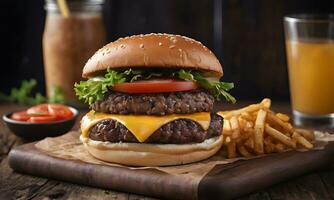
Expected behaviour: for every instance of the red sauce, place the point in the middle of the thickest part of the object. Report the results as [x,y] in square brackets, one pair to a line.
[44,113]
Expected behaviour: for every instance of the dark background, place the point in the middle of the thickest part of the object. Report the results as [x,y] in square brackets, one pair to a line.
[247,36]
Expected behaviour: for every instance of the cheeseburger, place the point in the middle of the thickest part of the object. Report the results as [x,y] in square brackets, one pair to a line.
[151,98]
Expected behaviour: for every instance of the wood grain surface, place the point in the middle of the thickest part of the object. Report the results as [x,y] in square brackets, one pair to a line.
[225,181]
[27,159]
[316,185]
[242,177]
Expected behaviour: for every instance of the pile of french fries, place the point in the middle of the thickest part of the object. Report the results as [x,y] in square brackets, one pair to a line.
[256,130]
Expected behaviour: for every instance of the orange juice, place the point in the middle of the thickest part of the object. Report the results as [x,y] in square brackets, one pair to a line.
[311,75]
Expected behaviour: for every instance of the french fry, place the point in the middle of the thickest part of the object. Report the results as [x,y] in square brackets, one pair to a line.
[249,144]
[248,127]
[265,103]
[308,134]
[302,141]
[246,116]
[227,127]
[267,140]
[243,151]
[289,125]
[273,119]
[242,123]
[258,134]
[280,136]
[231,150]
[255,130]
[245,136]
[254,114]
[227,140]
[279,148]
[269,146]
[283,117]
[235,128]
[250,108]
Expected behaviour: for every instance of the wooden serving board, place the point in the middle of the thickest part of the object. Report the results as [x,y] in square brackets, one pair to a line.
[222,182]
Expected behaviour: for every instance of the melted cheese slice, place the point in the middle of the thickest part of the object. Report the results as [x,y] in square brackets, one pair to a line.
[142,126]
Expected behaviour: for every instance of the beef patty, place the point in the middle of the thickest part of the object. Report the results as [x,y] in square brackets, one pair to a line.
[181,131]
[155,104]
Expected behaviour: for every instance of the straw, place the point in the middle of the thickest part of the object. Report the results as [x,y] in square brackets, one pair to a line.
[62,4]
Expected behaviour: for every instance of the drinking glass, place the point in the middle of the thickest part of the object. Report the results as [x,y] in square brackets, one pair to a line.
[310,55]
[69,41]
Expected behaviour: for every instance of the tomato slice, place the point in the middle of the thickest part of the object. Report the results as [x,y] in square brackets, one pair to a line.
[60,111]
[41,109]
[155,86]
[21,116]
[44,113]
[43,118]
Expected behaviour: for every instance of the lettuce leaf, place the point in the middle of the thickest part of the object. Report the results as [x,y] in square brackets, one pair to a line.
[95,89]
[216,88]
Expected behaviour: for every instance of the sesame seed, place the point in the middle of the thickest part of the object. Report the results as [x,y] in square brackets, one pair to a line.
[173,39]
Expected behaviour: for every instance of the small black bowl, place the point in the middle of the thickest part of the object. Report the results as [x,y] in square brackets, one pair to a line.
[34,131]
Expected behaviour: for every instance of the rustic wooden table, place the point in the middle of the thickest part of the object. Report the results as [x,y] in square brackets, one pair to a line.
[317,185]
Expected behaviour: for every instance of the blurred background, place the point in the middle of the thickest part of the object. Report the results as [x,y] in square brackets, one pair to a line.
[247,36]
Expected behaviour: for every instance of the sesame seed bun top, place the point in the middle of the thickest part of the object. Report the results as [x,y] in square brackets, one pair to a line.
[153,51]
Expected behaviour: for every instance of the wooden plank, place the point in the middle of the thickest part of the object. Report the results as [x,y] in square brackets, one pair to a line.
[27,159]
[306,187]
[243,177]
[261,195]
[18,186]
[327,177]
[225,181]
[311,186]
[7,139]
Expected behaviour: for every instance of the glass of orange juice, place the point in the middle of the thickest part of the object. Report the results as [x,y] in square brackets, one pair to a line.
[310,56]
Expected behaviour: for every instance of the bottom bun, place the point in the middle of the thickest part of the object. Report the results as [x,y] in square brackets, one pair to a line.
[142,154]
